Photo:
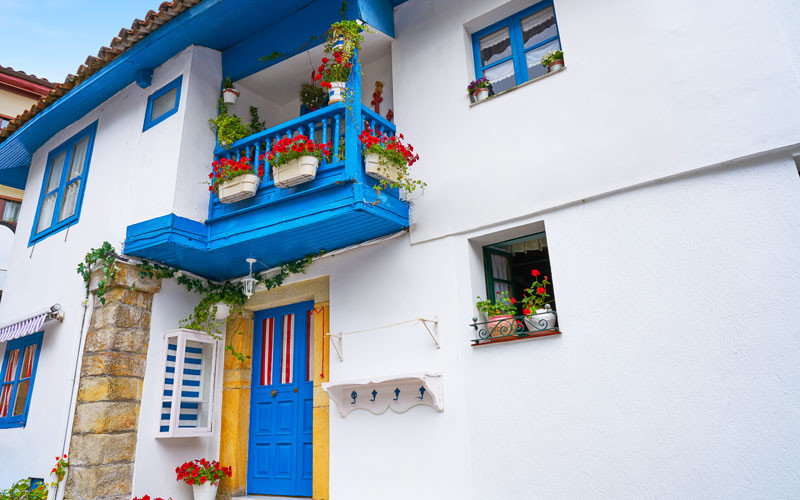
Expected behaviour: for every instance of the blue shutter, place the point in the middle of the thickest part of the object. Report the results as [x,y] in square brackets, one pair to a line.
[190,384]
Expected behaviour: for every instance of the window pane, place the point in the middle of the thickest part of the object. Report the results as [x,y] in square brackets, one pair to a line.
[11,212]
[46,214]
[55,172]
[534,59]
[500,267]
[11,365]
[163,104]
[22,396]
[539,27]
[501,76]
[78,158]
[495,47]
[27,362]
[287,350]
[70,200]
[5,399]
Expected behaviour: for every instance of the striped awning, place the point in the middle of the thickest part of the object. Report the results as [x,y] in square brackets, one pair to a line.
[30,324]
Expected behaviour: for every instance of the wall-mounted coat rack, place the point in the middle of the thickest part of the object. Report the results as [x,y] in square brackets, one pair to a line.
[398,393]
[431,325]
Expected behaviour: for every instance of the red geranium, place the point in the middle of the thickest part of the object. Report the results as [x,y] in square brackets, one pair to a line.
[288,149]
[202,470]
[226,169]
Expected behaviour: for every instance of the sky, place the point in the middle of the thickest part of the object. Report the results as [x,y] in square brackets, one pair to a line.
[51,38]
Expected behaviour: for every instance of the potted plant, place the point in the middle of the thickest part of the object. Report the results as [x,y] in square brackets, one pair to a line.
[332,74]
[479,89]
[229,92]
[388,159]
[204,476]
[538,314]
[312,97]
[345,36]
[234,180]
[295,160]
[24,490]
[553,60]
[500,313]
[147,497]
[229,128]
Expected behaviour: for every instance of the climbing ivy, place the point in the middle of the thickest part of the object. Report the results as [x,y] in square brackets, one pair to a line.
[203,317]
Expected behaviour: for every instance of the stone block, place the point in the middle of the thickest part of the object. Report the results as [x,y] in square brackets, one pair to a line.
[117,339]
[118,315]
[100,449]
[109,389]
[107,482]
[102,417]
[127,276]
[114,363]
[131,298]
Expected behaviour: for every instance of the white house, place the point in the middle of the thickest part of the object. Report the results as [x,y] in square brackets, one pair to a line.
[653,179]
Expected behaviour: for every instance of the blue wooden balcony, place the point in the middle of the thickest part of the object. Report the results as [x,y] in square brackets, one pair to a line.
[340,207]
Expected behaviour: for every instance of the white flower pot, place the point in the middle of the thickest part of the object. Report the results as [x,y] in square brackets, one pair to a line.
[239,188]
[336,92]
[205,491]
[298,171]
[481,94]
[555,65]
[230,96]
[338,45]
[223,311]
[544,319]
[379,168]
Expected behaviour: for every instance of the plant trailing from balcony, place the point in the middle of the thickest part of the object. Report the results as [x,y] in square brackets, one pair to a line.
[255,125]
[229,128]
[313,96]
[553,60]
[203,316]
[389,158]
[295,160]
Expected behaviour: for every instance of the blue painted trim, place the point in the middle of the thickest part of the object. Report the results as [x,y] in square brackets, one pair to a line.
[56,225]
[144,77]
[21,343]
[174,84]
[379,14]
[518,50]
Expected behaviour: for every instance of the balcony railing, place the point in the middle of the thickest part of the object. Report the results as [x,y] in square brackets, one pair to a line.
[505,328]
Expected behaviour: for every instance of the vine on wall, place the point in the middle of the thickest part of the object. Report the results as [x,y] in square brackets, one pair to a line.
[203,317]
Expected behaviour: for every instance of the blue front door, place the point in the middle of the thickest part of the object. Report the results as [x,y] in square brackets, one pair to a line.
[281,402]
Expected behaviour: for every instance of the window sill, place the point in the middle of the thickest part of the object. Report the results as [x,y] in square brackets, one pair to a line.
[519,336]
[521,85]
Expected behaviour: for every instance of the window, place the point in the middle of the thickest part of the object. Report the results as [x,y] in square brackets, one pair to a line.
[163,103]
[9,210]
[18,373]
[63,185]
[4,121]
[190,373]
[509,53]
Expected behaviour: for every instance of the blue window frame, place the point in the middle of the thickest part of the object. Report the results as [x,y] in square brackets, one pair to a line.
[163,103]
[63,185]
[16,379]
[509,52]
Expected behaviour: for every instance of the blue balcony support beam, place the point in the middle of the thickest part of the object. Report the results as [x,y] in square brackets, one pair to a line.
[379,14]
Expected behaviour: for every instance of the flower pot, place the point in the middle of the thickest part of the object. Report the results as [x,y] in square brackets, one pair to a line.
[239,188]
[543,319]
[295,172]
[223,311]
[379,168]
[481,94]
[555,65]
[336,92]
[338,44]
[500,326]
[230,95]
[205,491]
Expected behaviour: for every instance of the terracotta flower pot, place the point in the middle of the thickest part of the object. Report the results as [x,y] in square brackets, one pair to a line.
[294,172]
[230,96]
[239,188]
[379,168]
[500,326]
[555,65]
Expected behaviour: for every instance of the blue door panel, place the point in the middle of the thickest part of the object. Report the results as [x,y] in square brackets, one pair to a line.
[280,454]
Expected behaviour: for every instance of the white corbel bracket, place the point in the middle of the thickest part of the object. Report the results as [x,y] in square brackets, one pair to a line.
[398,393]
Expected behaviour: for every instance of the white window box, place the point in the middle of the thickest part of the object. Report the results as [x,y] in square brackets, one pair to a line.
[188,380]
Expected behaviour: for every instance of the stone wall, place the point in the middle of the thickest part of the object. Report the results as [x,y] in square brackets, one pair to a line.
[103,443]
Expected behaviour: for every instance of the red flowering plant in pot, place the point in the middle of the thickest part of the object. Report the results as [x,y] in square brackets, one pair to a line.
[332,74]
[234,180]
[538,313]
[500,313]
[203,475]
[147,497]
[388,158]
[294,160]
